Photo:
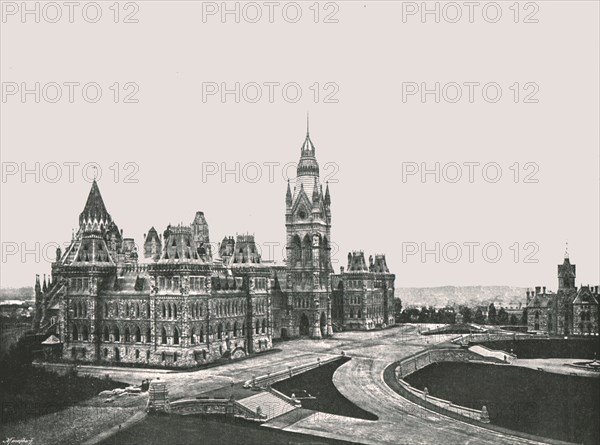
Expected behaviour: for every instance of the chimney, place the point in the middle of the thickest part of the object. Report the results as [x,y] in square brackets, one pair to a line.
[537,290]
[544,290]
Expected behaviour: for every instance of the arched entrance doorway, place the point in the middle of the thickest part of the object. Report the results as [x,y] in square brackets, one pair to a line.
[323,324]
[304,325]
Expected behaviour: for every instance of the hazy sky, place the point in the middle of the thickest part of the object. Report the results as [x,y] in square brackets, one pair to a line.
[368,137]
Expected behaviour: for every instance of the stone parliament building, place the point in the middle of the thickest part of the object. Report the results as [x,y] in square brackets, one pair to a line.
[179,304]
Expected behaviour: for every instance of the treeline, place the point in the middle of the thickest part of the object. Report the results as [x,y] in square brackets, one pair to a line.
[448,315]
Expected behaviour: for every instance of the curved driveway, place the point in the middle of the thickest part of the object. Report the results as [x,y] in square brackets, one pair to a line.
[360,380]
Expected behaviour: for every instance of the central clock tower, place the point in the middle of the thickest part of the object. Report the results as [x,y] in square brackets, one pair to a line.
[308,249]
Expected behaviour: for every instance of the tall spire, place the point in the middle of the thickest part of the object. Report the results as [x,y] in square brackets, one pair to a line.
[566,251]
[327,197]
[307,124]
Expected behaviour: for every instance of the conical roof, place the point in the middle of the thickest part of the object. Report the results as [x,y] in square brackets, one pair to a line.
[94,207]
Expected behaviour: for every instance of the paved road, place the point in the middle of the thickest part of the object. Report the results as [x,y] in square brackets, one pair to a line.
[360,380]
[400,422]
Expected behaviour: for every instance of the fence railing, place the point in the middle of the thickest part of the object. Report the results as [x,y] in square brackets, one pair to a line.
[283,397]
[214,406]
[425,358]
[270,378]
[478,338]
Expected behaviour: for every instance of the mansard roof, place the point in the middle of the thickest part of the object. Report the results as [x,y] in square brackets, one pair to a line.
[356,262]
[242,251]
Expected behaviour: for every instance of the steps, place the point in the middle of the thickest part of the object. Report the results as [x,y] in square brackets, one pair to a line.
[270,405]
[502,356]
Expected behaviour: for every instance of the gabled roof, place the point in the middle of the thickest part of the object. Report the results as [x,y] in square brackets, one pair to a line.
[585,296]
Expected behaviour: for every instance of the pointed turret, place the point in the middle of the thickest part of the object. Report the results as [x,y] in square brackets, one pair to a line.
[566,274]
[327,196]
[288,195]
[152,245]
[315,195]
[308,167]
[45,285]
[38,304]
[94,213]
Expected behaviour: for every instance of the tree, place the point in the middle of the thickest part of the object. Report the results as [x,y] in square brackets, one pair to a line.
[466,313]
[502,316]
[410,315]
[479,318]
[397,309]
[424,315]
[492,314]
[514,321]
[447,315]
[524,317]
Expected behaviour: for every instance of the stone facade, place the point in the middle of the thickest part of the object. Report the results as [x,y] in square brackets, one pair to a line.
[178,305]
[569,311]
[364,295]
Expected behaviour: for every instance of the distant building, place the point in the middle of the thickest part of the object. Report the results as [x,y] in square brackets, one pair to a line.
[569,311]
